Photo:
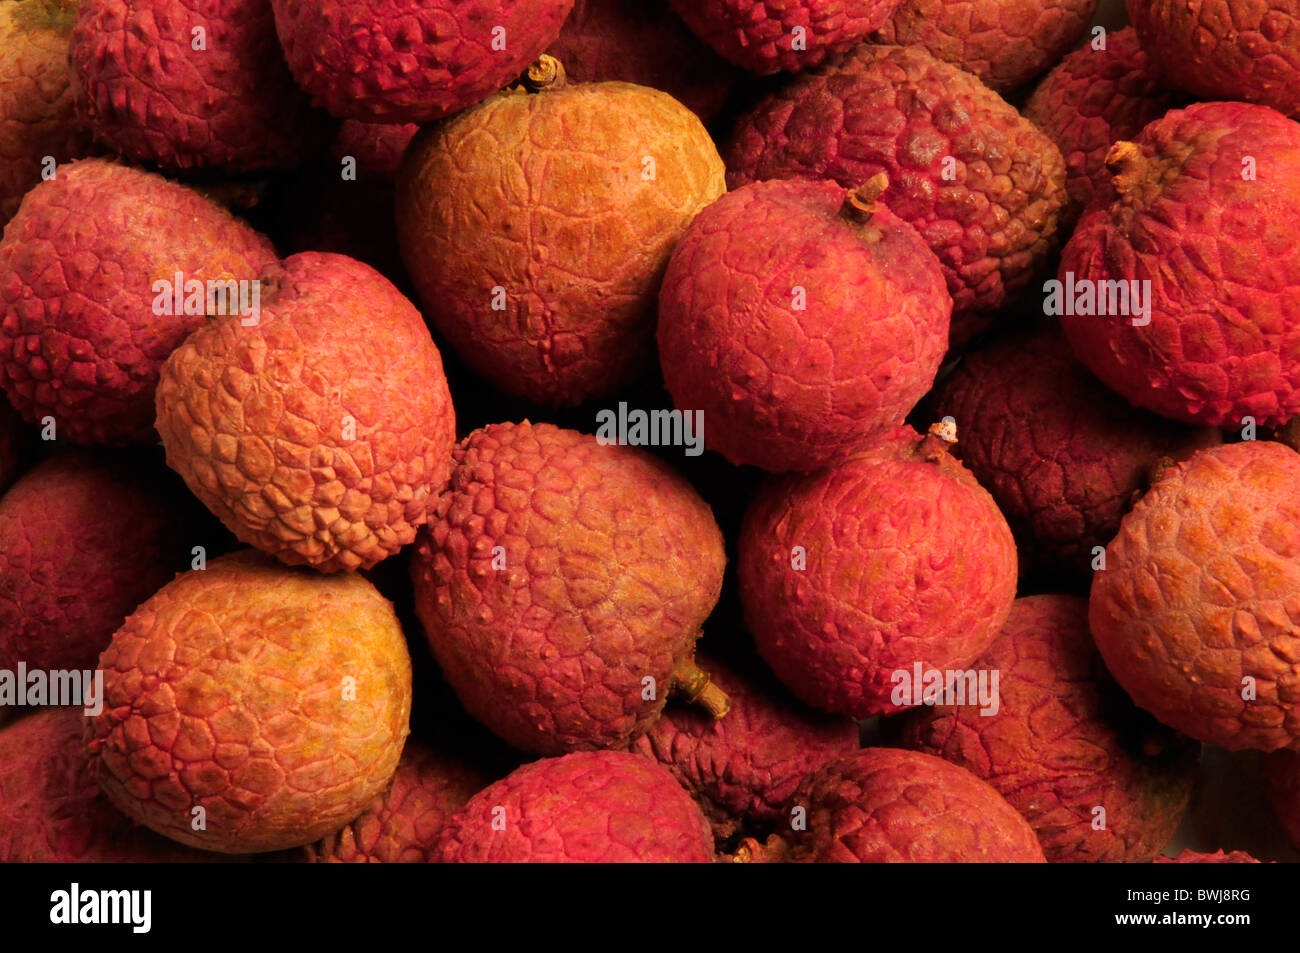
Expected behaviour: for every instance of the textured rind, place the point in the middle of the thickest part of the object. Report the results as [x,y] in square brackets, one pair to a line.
[587,807]
[402,824]
[1218,857]
[377,147]
[83,541]
[759,34]
[1225,49]
[1060,454]
[884,805]
[1202,589]
[1282,778]
[907,561]
[555,576]
[79,339]
[1222,260]
[743,768]
[400,61]
[152,96]
[900,111]
[275,699]
[1092,100]
[545,197]
[1006,43]
[795,384]
[322,434]
[1064,741]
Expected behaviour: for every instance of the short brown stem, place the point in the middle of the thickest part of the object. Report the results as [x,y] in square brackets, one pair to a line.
[546,72]
[1125,162]
[693,683]
[860,204]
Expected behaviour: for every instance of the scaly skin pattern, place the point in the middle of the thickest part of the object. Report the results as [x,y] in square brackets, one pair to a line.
[1221,256]
[556,576]
[1218,857]
[377,147]
[83,541]
[1064,741]
[548,197]
[587,807]
[1225,49]
[792,380]
[990,214]
[192,84]
[883,805]
[79,339]
[1061,454]
[743,768]
[907,560]
[1201,591]
[275,699]
[322,434]
[399,61]
[1282,777]
[38,115]
[759,34]
[1006,43]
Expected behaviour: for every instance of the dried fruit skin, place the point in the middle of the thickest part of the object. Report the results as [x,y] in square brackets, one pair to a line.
[399,61]
[883,805]
[314,440]
[800,331]
[537,233]
[1218,857]
[275,699]
[556,576]
[1282,774]
[1197,604]
[907,560]
[586,807]
[1220,252]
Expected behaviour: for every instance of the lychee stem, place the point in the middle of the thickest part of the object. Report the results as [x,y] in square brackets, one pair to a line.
[1125,162]
[752,851]
[938,440]
[546,72]
[860,204]
[694,684]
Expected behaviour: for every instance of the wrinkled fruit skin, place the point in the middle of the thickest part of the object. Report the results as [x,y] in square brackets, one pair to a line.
[790,379]
[555,576]
[1006,43]
[1202,590]
[759,34]
[1064,741]
[882,805]
[400,61]
[402,824]
[1225,49]
[900,111]
[1282,773]
[587,807]
[1061,454]
[535,240]
[1218,857]
[150,95]
[83,541]
[907,560]
[742,768]
[321,434]
[1092,100]
[79,339]
[224,691]
[1222,258]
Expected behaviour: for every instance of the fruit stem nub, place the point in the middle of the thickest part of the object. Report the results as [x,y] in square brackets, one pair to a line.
[860,204]
[1125,162]
[545,72]
[693,683]
[938,440]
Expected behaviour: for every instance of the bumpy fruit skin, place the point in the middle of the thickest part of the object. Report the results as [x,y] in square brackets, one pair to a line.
[537,233]
[907,560]
[799,330]
[401,61]
[1282,776]
[150,95]
[1092,100]
[555,576]
[587,807]
[321,434]
[79,337]
[1218,857]
[1222,259]
[883,805]
[759,34]
[1201,591]
[1061,454]
[378,147]
[1064,741]
[1006,43]
[743,768]
[1225,49]
[275,699]
[991,217]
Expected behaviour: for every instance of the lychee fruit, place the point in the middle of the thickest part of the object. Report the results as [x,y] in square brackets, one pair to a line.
[377,147]
[1190,856]
[1282,777]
